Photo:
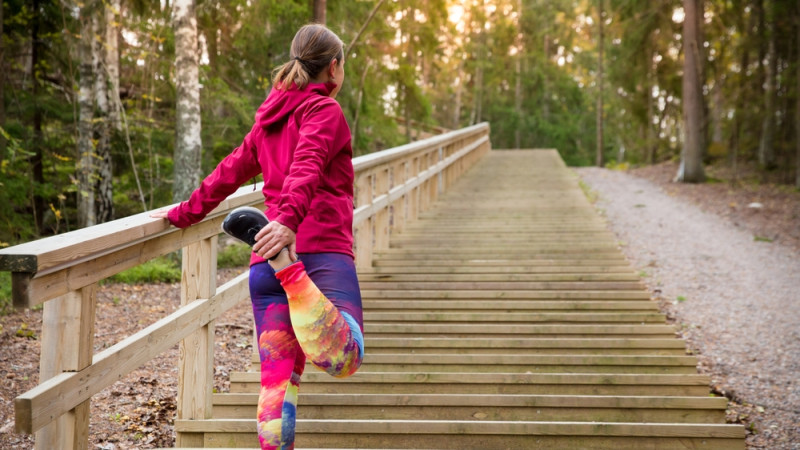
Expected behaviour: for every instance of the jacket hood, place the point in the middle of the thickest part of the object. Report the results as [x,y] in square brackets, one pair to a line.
[279,104]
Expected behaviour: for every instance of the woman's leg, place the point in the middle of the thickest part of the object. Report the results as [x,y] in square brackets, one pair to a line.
[327,327]
[282,360]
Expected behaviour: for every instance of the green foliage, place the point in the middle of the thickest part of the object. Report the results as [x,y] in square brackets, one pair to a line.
[234,255]
[5,293]
[159,270]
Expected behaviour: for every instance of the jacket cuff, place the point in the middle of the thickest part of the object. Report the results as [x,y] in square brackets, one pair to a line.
[288,221]
[175,217]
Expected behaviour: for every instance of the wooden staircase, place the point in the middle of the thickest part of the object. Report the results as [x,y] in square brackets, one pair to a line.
[506,317]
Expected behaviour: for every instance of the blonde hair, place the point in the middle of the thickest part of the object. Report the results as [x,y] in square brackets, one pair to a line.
[313,48]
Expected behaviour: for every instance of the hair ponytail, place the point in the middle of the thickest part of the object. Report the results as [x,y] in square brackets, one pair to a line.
[313,48]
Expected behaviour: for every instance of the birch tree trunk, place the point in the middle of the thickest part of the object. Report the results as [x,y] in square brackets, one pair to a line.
[85,169]
[188,144]
[112,11]
[691,168]
[103,183]
[599,159]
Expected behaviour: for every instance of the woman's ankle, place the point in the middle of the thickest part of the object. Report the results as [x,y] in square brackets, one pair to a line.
[282,260]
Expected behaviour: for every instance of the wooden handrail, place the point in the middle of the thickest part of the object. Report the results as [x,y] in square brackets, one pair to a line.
[62,272]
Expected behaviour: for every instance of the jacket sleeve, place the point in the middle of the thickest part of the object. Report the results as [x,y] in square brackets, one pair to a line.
[320,134]
[236,168]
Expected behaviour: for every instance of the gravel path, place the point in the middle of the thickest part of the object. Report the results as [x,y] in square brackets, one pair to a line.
[736,300]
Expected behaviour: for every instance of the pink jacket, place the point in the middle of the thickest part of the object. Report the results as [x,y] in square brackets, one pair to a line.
[301,143]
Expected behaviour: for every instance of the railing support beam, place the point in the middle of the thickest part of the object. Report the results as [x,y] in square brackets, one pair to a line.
[196,363]
[67,346]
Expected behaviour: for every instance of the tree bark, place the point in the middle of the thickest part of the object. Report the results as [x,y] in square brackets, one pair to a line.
[2,90]
[320,8]
[359,101]
[691,168]
[599,158]
[188,144]
[112,11]
[85,169]
[650,132]
[37,171]
[797,108]
[103,186]
[766,147]
[518,81]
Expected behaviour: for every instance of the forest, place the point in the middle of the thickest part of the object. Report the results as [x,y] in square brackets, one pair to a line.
[115,107]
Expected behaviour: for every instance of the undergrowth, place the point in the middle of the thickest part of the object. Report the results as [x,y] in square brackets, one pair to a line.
[165,269]
[234,255]
[5,293]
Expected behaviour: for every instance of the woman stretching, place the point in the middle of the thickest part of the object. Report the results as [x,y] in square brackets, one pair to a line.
[306,299]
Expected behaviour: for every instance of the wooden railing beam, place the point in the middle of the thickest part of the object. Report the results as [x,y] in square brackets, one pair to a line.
[39,406]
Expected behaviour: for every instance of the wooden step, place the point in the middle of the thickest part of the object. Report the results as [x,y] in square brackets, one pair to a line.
[490,383]
[514,316]
[492,305]
[434,434]
[498,277]
[572,408]
[521,330]
[544,294]
[512,363]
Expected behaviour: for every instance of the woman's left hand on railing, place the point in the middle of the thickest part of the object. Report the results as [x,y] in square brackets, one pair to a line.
[160,214]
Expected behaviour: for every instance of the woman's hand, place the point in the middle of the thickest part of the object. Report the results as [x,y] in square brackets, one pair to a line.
[160,214]
[272,238]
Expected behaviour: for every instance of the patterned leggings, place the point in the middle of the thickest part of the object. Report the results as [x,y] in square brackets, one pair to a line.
[297,318]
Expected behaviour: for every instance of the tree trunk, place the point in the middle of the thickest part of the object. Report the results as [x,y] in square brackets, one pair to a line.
[37,171]
[103,185]
[85,169]
[650,132]
[518,81]
[188,144]
[359,101]
[599,159]
[2,90]
[797,110]
[320,7]
[766,147]
[112,11]
[691,168]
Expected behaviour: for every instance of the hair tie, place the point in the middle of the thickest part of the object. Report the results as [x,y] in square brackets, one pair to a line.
[297,58]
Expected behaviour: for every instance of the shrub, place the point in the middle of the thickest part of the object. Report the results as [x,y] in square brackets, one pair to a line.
[235,255]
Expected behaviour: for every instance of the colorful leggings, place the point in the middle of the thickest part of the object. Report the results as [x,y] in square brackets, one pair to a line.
[309,309]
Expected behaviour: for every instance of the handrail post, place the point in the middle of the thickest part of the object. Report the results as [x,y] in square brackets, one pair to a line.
[67,346]
[364,231]
[196,363]
[382,216]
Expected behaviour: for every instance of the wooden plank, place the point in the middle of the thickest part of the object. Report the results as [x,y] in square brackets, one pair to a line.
[57,281]
[196,357]
[516,316]
[365,427]
[63,392]
[78,246]
[67,346]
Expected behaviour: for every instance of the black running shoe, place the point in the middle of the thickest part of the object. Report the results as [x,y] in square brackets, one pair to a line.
[244,223]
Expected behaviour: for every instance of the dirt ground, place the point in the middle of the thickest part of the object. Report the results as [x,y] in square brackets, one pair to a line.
[138,411]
